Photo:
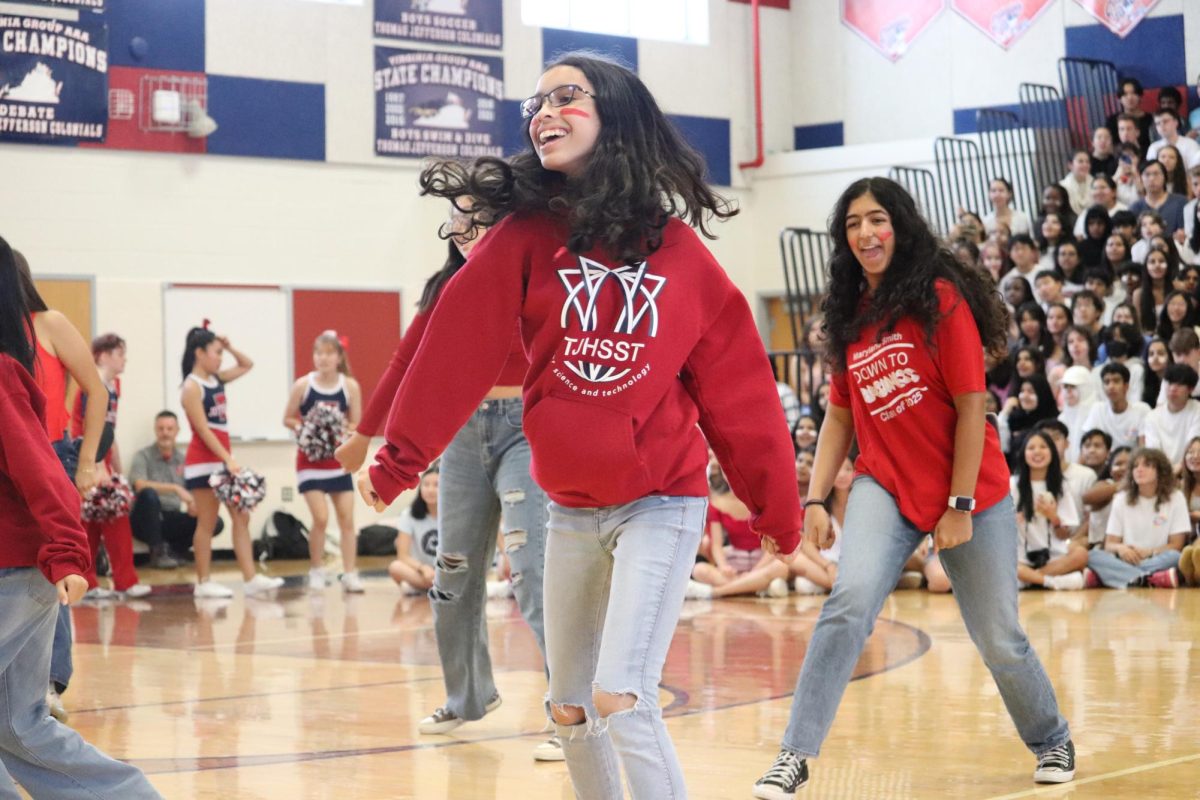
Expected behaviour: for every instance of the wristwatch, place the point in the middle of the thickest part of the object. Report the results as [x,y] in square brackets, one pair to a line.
[960,503]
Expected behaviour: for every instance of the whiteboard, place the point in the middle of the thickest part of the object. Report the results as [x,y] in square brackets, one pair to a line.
[256,320]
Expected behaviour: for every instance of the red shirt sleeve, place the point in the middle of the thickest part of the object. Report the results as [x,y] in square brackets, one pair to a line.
[376,410]
[465,347]
[839,390]
[729,377]
[39,480]
[958,350]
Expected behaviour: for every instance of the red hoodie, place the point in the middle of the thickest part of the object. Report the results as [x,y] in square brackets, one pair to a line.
[628,365]
[39,508]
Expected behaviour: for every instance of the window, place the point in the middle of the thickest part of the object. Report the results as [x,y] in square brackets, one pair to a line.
[667,20]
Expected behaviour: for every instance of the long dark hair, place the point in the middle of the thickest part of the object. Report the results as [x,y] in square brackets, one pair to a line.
[33,299]
[1194,242]
[640,173]
[1166,328]
[16,325]
[433,286]
[1146,307]
[1054,476]
[197,339]
[907,288]
[1044,342]
[419,508]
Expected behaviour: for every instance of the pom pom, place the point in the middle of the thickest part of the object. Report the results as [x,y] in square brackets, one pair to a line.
[242,491]
[323,430]
[107,501]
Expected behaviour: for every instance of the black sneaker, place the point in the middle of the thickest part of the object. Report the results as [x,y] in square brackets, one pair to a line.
[1056,765]
[788,774]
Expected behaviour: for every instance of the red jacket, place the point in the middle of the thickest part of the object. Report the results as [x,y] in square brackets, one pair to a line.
[39,508]
[376,411]
[628,366]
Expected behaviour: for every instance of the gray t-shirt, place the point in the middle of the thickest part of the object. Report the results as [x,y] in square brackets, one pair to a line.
[424,533]
[149,465]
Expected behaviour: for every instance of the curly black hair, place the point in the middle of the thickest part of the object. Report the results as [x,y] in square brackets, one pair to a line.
[907,288]
[641,172]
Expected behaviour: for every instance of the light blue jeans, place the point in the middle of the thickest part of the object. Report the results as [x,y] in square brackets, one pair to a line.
[1115,572]
[48,759]
[615,579]
[876,542]
[485,484]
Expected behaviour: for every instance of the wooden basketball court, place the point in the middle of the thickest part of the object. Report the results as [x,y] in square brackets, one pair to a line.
[319,697]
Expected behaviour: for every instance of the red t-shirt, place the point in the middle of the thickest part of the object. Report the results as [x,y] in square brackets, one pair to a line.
[901,393]
[738,533]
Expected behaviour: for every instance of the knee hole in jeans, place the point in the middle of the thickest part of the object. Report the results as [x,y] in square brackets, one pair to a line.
[513,497]
[567,715]
[610,703]
[515,540]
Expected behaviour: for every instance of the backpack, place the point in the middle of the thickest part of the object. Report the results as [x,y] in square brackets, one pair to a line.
[377,540]
[283,537]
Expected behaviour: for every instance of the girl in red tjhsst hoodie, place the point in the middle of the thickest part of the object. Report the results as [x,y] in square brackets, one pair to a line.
[906,326]
[640,349]
[43,558]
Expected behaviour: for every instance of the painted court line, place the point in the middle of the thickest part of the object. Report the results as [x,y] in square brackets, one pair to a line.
[1042,790]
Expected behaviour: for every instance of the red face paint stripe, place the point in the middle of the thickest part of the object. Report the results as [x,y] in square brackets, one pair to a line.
[883,236]
[575,112]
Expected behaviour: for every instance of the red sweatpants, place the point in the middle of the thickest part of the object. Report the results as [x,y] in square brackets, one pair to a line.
[118,540]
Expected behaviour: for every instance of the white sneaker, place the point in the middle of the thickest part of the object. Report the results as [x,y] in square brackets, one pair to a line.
[54,701]
[352,583]
[443,720]
[697,591]
[805,586]
[549,750]
[137,590]
[1072,581]
[100,593]
[498,590]
[316,580]
[211,589]
[778,587]
[261,584]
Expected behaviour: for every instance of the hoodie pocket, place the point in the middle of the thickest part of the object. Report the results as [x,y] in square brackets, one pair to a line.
[585,451]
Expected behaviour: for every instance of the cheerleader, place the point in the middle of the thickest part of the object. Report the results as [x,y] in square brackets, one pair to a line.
[329,384]
[203,399]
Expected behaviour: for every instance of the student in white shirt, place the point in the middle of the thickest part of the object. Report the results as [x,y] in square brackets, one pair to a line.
[1046,516]
[1098,499]
[1077,478]
[1118,417]
[1147,527]
[1075,384]
[1078,182]
[1171,424]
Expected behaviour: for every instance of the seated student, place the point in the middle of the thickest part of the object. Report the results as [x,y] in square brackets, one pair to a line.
[1104,158]
[1024,255]
[1077,478]
[1131,123]
[1087,311]
[164,515]
[1172,423]
[1147,527]
[1129,182]
[1095,448]
[1189,557]
[1167,120]
[1048,284]
[815,570]
[108,352]
[1168,204]
[416,542]
[1078,181]
[1185,349]
[1123,346]
[1046,516]
[1077,401]
[1104,195]
[1155,360]
[1032,402]
[1098,499]
[1116,415]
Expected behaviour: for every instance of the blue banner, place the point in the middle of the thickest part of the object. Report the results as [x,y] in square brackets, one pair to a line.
[461,23]
[53,79]
[445,105]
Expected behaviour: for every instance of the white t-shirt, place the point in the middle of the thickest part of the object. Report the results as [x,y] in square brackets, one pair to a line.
[1078,192]
[1077,479]
[1124,428]
[1171,432]
[1036,534]
[424,533]
[1073,417]
[1015,273]
[1141,525]
[1017,223]
[1188,149]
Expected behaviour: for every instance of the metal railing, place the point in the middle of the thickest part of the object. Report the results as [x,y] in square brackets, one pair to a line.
[1089,90]
[1044,112]
[1008,148]
[961,175]
[923,186]
[805,255]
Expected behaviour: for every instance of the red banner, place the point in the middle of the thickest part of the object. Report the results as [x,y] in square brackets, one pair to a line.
[1002,21]
[1119,16]
[890,26]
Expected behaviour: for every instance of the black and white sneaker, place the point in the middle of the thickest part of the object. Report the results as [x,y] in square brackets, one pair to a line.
[443,720]
[1056,765]
[788,774]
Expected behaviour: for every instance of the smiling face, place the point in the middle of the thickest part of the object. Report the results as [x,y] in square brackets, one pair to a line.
[1093,452]
[1191,458]
[1157,357]
[999,195]
[1079,348]
[1102,194]
[564,137]
[1037,453]
[429,489]
[870,236]
[806,432]
[1156,265]
[1027,397]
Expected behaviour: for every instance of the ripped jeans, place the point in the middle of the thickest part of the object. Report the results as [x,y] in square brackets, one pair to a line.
[615,579]
[485,483]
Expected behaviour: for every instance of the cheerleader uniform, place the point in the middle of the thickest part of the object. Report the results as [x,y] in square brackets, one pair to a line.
[200,462]
[327,474]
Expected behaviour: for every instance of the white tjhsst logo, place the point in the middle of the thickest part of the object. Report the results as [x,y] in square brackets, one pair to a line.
[639,290]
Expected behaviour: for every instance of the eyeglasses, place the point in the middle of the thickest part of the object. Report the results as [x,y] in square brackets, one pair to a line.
[559,96]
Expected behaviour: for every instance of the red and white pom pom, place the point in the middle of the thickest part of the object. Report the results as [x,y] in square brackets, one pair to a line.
[108,501]
[323,430]
[242,491]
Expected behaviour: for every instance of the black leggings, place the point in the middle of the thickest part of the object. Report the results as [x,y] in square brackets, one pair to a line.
[154,525]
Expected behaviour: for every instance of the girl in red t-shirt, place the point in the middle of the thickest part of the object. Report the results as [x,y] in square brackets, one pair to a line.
[906,328]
